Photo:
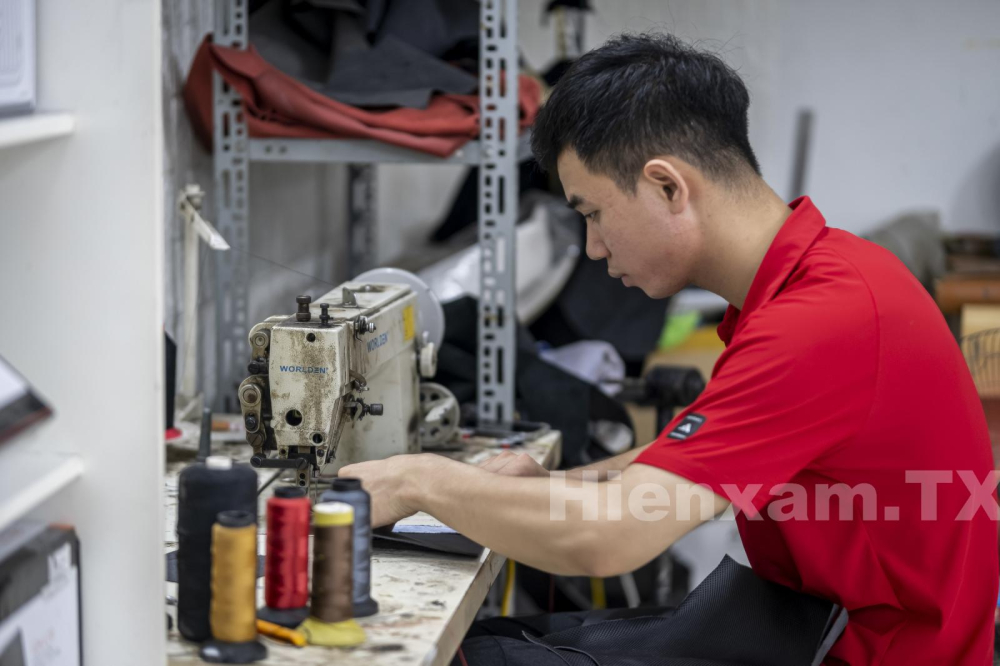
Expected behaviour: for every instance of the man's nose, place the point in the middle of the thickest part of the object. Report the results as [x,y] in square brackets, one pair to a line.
[595,246]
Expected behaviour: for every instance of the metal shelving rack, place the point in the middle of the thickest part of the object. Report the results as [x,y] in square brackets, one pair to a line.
[496,153]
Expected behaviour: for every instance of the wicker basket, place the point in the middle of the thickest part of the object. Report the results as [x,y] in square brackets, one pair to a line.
[982,353]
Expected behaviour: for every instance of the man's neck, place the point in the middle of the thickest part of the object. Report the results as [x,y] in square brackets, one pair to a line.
[738,233]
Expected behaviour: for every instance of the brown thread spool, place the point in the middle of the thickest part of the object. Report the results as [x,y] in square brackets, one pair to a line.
[233,611]
[331,613]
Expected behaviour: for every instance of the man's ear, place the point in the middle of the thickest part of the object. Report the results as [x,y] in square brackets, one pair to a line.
[671,183]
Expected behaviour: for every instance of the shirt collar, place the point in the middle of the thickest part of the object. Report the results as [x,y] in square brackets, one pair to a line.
[796,235]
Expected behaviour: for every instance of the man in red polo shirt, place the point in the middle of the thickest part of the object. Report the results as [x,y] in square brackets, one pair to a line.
[840,422]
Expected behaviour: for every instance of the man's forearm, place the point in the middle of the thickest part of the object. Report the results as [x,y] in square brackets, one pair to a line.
[602,467]
[508,514]
[563,526]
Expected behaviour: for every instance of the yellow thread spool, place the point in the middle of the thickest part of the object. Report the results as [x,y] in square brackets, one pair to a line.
[330,620]
[233,612]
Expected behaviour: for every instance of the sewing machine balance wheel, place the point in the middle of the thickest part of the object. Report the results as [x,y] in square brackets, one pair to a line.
[429,310]
[439,415]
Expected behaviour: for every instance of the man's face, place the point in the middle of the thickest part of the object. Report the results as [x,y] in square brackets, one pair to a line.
[645,243]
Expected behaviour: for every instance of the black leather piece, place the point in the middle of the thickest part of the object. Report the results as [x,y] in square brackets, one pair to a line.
[543,392]
[734,618]
[595,306]
[378,53]
[386,538]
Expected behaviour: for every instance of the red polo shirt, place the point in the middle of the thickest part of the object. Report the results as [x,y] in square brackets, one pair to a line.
[840,370]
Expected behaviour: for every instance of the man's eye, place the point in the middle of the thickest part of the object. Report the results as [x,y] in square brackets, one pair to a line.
[591,217]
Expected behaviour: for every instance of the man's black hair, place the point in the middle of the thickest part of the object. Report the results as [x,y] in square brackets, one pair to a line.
[639,96]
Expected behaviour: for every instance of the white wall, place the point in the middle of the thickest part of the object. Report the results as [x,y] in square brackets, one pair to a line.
[906,94]
[81,265]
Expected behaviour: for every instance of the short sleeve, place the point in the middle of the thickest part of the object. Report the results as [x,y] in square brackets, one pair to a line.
[796,382]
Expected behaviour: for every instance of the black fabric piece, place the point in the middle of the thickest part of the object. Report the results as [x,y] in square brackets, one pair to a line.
[393,73]
[295,39]
[544,594]
[464,54]
[464,210]
[537,626]
[596,306]
[374,14]
[503,651]
[593,305]
[378,53]
[388,538]
[543,392]
[352,6]
[432,26]
[734,618]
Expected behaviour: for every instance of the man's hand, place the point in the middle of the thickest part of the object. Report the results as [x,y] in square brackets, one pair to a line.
[388,482]
[513,464]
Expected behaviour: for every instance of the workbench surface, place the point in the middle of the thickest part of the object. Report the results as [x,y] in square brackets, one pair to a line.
[426,600]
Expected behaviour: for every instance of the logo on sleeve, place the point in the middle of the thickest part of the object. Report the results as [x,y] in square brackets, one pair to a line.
[688,426]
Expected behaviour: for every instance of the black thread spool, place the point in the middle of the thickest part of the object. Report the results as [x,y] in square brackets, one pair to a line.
[205,490]
[349,490]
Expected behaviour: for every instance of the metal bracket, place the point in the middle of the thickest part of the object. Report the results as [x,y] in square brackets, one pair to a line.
[362,327]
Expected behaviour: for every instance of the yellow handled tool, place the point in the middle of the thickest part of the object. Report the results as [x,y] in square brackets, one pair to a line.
[272,630]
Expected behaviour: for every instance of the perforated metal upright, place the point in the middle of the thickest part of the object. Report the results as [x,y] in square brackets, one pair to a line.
[230,145]
[361,179]
[496,153]
[498,190]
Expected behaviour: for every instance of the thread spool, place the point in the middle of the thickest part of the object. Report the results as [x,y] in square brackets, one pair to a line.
[349,490]
[331,613]
[286,568]
[205,490]
[233,611]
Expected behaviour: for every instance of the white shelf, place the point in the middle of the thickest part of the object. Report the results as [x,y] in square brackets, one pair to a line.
[28,477]
[35,127]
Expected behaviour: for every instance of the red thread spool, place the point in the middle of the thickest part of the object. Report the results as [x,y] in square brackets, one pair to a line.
[286,568]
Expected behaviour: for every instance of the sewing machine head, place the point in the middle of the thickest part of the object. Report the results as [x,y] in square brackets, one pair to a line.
[338,381]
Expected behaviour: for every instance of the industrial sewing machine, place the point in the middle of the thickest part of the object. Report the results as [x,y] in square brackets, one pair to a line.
[338,382]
